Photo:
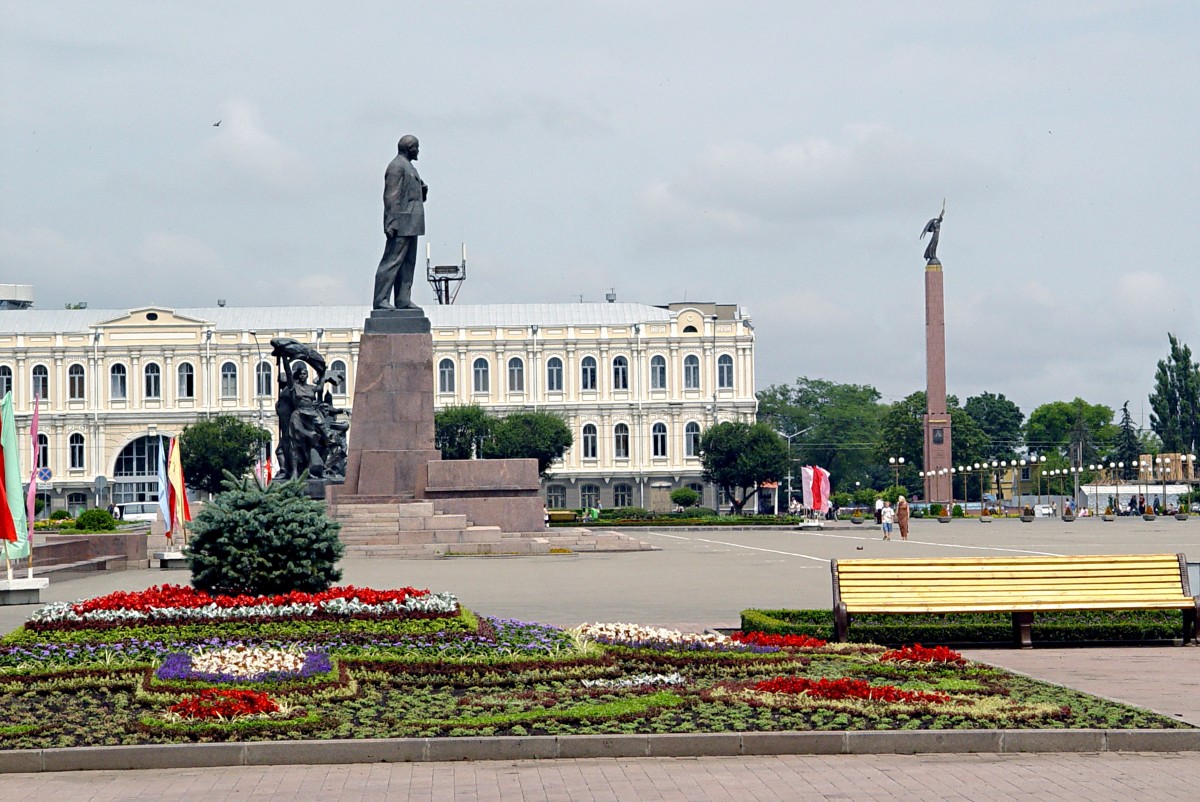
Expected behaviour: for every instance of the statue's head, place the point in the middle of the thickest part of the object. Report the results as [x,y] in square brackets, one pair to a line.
[300,372]
[409,146]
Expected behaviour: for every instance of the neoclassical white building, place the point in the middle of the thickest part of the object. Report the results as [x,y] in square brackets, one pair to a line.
[636,383]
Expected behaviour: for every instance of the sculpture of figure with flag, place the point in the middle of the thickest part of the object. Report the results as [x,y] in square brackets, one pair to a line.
[933,228]
[311,440]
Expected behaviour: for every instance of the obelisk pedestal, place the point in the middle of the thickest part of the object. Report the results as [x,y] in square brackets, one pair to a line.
[938,453]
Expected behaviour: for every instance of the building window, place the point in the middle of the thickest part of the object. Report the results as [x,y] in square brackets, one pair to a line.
[691,372]
[337,372]
[75,448]
[480,371]
[43,460]
[691,439]
[554,375]
[138,459]
[622,495]
[587,373]
[118,388]
[76,383]
[516,375]
[589,441]
[690,330]
[556,496]
[153,378]
[658,439]
[658,373]
[621,441]
[1025,474]
[76,503]
[229,380]
[589,496]
[699,488]
[5,379]
[725,372]
[186,385]
[446,376]
[262,380]
[41,382]
[620,373]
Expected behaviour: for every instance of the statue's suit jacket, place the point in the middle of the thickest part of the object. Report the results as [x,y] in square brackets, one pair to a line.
[403,199]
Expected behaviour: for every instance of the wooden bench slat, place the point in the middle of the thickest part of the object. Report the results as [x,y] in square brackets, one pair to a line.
[1047,560]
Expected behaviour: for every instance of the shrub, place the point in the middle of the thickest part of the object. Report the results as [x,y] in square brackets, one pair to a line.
[957,511]
[95,521]
[60,515]
[260,542]
[685,497]
[937,510]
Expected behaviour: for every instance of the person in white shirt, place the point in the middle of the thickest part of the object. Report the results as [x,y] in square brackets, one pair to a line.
[879,511]
[888,516]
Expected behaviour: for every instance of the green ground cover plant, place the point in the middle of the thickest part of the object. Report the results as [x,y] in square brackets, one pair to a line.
[441,670]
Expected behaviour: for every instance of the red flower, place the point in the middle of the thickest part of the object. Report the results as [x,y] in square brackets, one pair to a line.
[921,654]
[179,596]
[788,641]
[846,688]
[224,703]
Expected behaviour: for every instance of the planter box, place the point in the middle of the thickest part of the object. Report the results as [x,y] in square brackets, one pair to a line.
[856,520]
[985,519]
[1027,518]
[1148,516]
[1181,516]
[1107,517]
[1068,518]
[943,519]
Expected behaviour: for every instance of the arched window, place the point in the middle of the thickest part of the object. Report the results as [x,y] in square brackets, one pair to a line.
[5,379]
[76,383]
[136,471]
[446,376]
[691,372]
[41,382]
[658,373]
[691,439]
[76,503]
[623,495]
[43,460]
[556,496]
[76,451]
[480,374]
[658,439]
[589,441]
[337,372]
[690,330]
[229,388]
[725,372]
[153,376]
[589,496]
[118,387]
[516,375]
[554,375]
[186,384]
[262,380]
[587,373]
[620,373]
[621,441]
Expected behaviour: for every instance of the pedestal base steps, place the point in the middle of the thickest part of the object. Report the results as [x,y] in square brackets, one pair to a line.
[397,527]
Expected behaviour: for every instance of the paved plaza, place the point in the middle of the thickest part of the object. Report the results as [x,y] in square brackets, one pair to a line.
[702,579]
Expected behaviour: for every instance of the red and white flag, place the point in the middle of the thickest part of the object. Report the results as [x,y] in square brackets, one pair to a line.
[815,483]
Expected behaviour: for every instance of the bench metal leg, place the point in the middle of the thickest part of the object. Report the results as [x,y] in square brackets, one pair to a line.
[1189,624]
[841,622]
[1022,624]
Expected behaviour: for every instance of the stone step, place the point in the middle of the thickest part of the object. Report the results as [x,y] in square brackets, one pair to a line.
[417,552]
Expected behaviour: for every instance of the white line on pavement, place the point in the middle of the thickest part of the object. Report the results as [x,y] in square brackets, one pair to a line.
[740,546]
[945,545]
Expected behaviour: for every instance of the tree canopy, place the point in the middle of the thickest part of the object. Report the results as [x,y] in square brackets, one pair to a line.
[1060,426]
[738,457]
[902,434]
[1175,402]
[1000,421]
[460,431]
[543,436]
[210,447]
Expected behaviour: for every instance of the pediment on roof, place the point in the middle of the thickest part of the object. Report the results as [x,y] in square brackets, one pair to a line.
[153,316]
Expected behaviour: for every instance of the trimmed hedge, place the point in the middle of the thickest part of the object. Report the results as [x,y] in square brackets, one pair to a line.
[1072,626]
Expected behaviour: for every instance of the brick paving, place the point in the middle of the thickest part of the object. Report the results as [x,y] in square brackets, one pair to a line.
[1005,778]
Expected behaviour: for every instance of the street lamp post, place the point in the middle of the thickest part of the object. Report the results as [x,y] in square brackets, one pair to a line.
[1038,463]
[897,463]
[788,437]
[1020,488]
[1164,466]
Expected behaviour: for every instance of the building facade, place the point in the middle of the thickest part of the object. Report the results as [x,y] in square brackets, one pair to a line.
[636,384]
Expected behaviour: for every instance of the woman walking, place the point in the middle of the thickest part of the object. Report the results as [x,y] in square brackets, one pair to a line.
[902,517]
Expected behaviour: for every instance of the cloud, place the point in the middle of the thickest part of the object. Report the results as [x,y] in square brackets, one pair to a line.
[243,148]
[32,252]
[747,190]
[178,253]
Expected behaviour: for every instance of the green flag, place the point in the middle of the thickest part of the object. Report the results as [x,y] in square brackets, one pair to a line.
[14,498]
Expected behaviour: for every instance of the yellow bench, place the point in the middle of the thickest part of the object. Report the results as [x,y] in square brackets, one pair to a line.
[1020,585]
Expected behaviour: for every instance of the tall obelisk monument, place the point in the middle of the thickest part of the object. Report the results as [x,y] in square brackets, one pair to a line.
[938,460]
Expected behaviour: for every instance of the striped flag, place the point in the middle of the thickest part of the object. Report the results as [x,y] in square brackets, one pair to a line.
[815,483]
[14,528]
[180,512]
[164,487]
[31,496]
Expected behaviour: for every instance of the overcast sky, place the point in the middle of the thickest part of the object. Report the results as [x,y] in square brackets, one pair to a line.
[781,156]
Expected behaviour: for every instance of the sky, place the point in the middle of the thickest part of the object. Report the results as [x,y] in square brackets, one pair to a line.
[781,156]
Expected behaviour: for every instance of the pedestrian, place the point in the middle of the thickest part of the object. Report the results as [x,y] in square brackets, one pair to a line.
[902,517]
[887,515]
[878,511]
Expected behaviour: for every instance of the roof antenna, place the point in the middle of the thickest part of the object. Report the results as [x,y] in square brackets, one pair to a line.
[611,295]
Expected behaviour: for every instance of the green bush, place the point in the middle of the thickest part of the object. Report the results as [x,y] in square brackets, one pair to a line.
[930,629]
[685,497]
[626,513]
[95,521]
[956,511]
[937,510]
[256,541]
[60,515]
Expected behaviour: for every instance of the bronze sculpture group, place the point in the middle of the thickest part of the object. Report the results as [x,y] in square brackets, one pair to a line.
[311,438]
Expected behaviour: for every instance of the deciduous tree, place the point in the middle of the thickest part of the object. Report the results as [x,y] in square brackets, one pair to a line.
[529,435]
[738,457]
[209,448]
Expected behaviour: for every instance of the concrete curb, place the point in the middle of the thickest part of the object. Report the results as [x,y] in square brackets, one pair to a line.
[550,747]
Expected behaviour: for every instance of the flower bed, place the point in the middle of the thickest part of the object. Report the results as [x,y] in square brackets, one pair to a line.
[184,672]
